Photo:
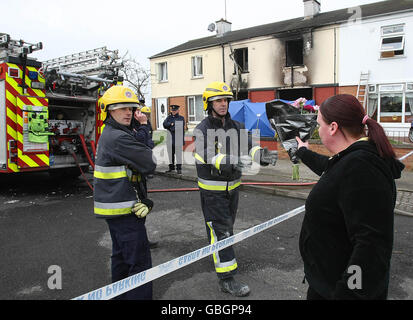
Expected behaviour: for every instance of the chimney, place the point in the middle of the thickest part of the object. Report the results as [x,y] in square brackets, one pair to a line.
[311,8]
[223,26]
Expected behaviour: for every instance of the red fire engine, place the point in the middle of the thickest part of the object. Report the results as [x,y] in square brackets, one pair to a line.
[49,119]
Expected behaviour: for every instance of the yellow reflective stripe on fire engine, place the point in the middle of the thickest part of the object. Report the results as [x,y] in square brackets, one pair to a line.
[26,159]
[40,93]
[13,82]
[199,158]
[10,97]
[220,267]
[217,160]
[218,185]
[44,158]
[12,132]
[254,150]
[110,172]
[114,208]
[33,100]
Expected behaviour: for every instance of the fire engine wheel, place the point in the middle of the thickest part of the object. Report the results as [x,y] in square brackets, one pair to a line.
[411,135]
[67,173]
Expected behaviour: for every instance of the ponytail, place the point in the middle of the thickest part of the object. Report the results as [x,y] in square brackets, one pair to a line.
[346,110]
[377,135]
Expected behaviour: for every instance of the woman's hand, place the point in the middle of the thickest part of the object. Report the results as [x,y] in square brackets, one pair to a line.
[301,143]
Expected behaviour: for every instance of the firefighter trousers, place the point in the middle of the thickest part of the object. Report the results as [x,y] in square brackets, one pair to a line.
[220,209]
[130,254]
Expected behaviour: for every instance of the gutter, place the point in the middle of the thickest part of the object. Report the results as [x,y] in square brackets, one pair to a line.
[275,34]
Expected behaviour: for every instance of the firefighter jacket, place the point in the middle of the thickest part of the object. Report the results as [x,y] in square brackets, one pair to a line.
[143,133]
[118,156]
[217,151]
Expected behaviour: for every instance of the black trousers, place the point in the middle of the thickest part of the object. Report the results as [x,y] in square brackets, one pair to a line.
[130,254]
[175,151]
[220,209]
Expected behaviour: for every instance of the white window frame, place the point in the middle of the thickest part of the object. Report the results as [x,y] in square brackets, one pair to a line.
[191,115]
[391,88]
[193,98]
[162,71]
[390,32]
[400,44]
[195,66]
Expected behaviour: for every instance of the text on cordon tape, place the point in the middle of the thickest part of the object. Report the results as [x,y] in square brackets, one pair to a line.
[119,287]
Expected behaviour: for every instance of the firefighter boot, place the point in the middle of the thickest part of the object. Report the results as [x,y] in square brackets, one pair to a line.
[230,285]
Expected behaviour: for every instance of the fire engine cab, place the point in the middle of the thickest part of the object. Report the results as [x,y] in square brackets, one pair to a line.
[49,118]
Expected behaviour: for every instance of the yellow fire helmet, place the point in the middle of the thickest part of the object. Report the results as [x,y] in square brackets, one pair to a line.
[216,90]
[145,109]
[114,95]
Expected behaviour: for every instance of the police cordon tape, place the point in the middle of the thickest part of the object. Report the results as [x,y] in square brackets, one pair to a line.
[117,288]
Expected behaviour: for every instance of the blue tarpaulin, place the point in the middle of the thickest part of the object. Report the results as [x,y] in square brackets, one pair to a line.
[253,115]
[236,109]
[256,118]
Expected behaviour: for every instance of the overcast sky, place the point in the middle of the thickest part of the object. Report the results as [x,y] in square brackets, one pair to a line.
[143,28]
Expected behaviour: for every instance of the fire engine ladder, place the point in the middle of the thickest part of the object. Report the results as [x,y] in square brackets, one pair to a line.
[10,47]
[362,88]
[89,62]
[85,65]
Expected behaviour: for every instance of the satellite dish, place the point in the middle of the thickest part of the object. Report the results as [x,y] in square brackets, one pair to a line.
[211,27]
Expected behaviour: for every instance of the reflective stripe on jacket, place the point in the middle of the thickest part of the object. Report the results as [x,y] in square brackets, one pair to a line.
[215,162]
[118,155]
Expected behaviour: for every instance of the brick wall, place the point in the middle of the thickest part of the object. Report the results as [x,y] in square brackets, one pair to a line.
[322,93]
[348,90]
[261,96]
[180,101]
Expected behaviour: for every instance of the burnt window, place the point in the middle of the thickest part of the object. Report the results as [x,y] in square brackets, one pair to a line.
[294,52]
[241,58]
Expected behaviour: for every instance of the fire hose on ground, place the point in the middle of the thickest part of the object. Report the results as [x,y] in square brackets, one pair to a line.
[280,184]
[284,184]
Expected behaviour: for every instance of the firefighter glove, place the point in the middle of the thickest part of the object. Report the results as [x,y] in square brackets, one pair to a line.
[268,157]
[244,162]
[142,208]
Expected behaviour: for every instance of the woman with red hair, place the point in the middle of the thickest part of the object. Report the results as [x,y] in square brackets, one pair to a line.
[346,238]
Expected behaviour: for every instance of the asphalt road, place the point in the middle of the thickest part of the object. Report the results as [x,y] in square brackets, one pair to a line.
[48,226]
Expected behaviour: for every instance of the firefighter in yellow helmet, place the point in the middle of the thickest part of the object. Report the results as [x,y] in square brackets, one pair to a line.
[147,112]
[141,125]
[142,129]
[219,162]
[119,198]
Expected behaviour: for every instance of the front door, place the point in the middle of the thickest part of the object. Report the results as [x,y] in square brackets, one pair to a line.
[161,112]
